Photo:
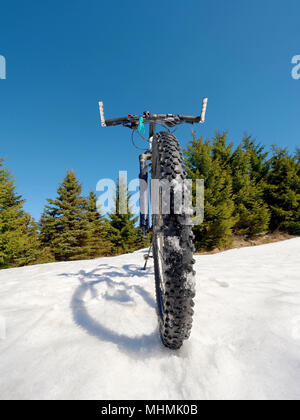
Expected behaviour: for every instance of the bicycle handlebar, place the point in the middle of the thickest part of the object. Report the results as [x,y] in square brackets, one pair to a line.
[171,120]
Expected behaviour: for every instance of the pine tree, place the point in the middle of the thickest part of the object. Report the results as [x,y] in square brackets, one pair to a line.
[18,237]
[258,160]
[143,239]
[31,250]
[207,161]
[252,213]
[220,150]
[63,225]
[97,242]
[121,229]
[283,191]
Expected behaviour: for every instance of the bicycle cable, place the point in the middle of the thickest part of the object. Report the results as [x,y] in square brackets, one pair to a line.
[147,140]
[133,142]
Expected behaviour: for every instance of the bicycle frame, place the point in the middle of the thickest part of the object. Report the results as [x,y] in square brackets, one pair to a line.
[132,122]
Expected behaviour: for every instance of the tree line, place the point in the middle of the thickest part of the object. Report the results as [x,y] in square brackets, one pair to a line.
[71,226]
[248,191]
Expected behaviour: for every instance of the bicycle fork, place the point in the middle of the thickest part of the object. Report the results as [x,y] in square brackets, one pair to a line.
[144,186]
[144,200]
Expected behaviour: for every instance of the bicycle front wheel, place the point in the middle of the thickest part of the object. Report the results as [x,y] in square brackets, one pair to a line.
[172,248]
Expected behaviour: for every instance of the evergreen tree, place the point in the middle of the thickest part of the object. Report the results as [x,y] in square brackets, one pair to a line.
[143,240]
[97,242]
[18,238]
[252,213]
[63,225]
[258,160]
[121,229]
[283,191]
[31,250]
[207,161]
[220,150]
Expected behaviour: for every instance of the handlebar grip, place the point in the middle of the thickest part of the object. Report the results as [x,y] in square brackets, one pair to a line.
[189,118]
[101,110]
[203,112]
[116,121]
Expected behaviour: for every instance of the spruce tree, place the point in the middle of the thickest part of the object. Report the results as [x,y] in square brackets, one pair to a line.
[220,150]
[121,229]
[257,156]
[18,238]
[97,242]
[251,212]
[143,239]
[31,250]
[63,225]
[204,161]
[283,191]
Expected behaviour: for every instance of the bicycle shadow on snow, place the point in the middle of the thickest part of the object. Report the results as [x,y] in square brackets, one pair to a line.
[139,346]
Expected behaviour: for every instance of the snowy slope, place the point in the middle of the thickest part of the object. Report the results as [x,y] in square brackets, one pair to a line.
[88,330]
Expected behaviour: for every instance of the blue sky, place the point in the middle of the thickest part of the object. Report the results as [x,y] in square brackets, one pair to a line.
[64,56]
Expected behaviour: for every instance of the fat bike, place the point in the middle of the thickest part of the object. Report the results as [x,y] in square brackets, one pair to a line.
[172,236]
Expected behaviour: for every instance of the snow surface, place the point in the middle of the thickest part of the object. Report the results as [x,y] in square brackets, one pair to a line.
[88,330]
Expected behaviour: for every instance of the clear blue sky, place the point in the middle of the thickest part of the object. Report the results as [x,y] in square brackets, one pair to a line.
[64,56]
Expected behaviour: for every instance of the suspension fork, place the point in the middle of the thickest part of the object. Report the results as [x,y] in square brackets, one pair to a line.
[143,177]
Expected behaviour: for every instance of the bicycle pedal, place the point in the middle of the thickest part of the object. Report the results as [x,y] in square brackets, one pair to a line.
[147,256]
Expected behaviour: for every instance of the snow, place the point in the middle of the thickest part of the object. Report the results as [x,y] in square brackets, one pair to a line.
[88,329]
